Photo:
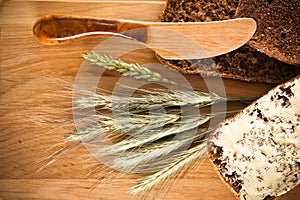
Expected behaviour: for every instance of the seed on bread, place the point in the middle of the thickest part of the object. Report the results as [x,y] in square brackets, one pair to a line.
[257,152]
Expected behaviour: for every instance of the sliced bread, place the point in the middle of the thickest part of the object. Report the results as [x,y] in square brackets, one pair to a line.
[245,63]
[278,27]
[257,152]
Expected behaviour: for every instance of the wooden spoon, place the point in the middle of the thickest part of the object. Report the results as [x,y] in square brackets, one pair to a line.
[187,40]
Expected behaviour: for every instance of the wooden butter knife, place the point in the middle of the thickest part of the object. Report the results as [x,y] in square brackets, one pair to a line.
[186,40]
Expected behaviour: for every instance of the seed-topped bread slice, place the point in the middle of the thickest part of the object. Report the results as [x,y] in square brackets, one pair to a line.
[245,63]
[278,27]
[257,152]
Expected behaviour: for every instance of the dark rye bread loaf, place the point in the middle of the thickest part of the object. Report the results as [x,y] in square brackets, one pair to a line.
[278,27]
[245,63]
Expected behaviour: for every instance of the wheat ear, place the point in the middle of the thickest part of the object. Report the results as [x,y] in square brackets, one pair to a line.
[133,70]
[183,160]
[141,160]
[150,101]
[186,124]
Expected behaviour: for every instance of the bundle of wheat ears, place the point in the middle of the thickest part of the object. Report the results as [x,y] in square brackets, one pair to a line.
[143,138]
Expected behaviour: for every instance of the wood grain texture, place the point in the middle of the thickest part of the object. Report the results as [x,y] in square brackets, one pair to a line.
[36,89]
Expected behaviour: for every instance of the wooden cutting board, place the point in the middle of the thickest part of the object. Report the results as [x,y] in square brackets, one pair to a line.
[36,89]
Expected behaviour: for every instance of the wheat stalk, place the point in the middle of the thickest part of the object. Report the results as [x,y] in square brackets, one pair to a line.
[124,124]
[141,160]
[133,70]
[139,124]
[147,136]
[183,160]
[142,103]
[186,124]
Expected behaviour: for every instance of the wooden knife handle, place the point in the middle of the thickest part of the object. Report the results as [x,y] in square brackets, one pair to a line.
[55,29]
[172,41]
